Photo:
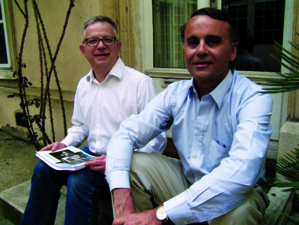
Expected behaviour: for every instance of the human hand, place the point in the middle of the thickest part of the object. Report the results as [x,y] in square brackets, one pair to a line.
[143,218]
[53,147]
[97,164]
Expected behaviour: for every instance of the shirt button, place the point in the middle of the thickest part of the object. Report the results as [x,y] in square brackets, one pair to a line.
[197,133]
[194,156]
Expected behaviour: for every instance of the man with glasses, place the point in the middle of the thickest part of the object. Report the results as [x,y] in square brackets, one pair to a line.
[106,96]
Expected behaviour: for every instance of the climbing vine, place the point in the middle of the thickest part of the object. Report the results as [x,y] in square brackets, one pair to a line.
[48,70]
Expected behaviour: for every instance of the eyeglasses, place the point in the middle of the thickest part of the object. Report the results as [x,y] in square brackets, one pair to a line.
[94,41]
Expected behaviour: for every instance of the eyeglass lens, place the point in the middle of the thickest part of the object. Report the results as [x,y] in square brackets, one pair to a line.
[94,41]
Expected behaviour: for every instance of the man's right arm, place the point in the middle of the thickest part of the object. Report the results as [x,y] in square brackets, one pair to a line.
[123,202]
[75,134]
[126,213]
[135,132]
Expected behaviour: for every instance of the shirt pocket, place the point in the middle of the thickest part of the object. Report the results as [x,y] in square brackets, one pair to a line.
[216,153]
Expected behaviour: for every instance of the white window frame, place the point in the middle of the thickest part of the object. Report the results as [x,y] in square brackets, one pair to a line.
[7,80]
[163,76]
[4,22]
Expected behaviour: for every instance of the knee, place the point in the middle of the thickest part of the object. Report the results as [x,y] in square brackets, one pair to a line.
[88,183]
[75,182]
[248,213]
[41,170]
[82,181]
[141,162]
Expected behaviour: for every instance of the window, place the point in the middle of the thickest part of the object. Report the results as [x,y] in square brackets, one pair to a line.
[264,20]
[168,17]
[4,48]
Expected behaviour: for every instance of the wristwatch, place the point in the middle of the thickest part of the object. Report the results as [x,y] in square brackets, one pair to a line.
[162,216]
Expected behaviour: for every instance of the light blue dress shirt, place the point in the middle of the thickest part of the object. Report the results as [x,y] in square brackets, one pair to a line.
[222,141]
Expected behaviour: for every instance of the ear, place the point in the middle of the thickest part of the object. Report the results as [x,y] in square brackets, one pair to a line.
[118,46]
[82,49]
[233,52]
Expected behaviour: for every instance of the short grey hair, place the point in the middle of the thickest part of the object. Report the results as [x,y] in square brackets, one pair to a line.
[99,18]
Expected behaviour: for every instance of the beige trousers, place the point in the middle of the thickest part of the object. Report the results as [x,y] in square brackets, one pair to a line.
[156,178]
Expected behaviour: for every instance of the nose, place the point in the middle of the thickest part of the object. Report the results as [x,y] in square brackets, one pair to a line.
[101,44]
[201,49]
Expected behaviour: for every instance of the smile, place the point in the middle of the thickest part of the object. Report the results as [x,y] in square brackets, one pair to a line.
[99,55]
[201,64]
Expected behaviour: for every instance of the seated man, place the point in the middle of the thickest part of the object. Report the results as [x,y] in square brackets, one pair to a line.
[106,96]
[220,127]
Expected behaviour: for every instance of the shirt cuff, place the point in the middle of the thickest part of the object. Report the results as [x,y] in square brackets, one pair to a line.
[118,179]
[67,141]
[178,210]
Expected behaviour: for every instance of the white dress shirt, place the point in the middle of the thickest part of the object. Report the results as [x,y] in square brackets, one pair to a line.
[99,108]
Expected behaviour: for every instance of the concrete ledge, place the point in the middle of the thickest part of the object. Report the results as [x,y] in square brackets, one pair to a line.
[280,202]
[10,212]
[13,202]
[288,140]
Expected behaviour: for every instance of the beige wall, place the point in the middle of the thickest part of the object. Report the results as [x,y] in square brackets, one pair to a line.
[70,64]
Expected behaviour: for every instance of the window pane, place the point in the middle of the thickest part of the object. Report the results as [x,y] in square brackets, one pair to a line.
[259,23]
[0,12]
[168,17]
[265,21]
[3,55]
[259,11]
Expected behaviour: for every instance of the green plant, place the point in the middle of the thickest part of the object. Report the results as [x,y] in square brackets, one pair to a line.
[290,81]
[46,71]
[288,164]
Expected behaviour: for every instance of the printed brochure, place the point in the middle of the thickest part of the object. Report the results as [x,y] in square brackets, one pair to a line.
[69,158]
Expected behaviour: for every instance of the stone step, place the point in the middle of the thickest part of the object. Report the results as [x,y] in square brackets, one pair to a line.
[13,202]
[280,202]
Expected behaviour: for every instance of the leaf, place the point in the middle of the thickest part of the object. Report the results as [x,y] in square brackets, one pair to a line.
[37,104]
[288,81]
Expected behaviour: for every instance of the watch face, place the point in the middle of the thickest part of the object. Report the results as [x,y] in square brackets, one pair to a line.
[161,214]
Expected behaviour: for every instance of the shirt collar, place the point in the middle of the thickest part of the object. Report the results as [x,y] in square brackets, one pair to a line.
[116,71]
[191,90]
[219,93]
